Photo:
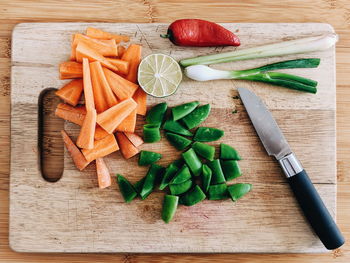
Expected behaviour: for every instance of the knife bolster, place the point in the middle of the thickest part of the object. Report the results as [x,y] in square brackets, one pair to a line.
[290,165]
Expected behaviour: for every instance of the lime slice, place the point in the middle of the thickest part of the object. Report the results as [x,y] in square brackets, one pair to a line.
[159,75]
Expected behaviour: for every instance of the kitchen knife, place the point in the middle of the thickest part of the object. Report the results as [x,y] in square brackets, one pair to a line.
[276,145]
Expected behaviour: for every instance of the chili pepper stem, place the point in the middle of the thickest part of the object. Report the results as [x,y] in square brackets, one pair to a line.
[165,35]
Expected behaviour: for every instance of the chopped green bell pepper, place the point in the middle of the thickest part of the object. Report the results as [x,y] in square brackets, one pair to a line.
[197,116]
[192,161]
[156,115]
[126,188]
[182,175]
[176,127]
[193,196]
[169,174]
[178,189]
[206,177]
[231,169]
[169,207]
[218,192]
[154,174]
[151,133]
[218,175]
[183,110]
[237,191]
[204,150]
[178,141]
[139,184]
[206,134]
[228,153]
[147,158]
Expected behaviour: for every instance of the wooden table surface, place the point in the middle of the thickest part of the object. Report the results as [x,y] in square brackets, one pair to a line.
[336,13]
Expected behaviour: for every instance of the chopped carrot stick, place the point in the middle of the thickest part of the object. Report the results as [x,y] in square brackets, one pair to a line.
[122,65]
[103,95]
[78,158]
[141,99]
[103,175]
[100,34]
[76,115]
[127,149]
[88,92]
[134,138]
[102,147]
[87,131]
[85,51]
[110,119]
[121,50]
[106,49]
[133,56]
[72,114]
[128,124]
[71,92]
[71,70]
[121,87]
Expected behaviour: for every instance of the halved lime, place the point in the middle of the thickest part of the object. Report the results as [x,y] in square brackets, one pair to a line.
[159,75]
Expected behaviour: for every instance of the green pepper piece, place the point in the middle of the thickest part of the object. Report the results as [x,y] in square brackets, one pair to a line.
[156,115]
[168,175]
[197,116]
[151,133]
[204,150]
[218,192]
[206,177]
[193,162]
[182,175]
[183,110]
[206,134]
[177,189]
[178,141]
[176,127]
[193,196]
[231,169]
[139,184]
[228,153]
[126,188]
[169,207]
[237,191]
[147,158]
[218,175]
[154,173]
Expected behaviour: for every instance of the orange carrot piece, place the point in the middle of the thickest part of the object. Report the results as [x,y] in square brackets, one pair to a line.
[72,114]
[133,56]
[71,92]
[128,124]
[100,34]
[121,50]
[70,70]
[103,175]
[85,51]
[110,119]
[100,133]
[78,158]
[121,87]
[141,99]
[87,131]
[127,149]
[101,148]
[122,65]
[103,95]
[109,49]
[88,92]
[134,138]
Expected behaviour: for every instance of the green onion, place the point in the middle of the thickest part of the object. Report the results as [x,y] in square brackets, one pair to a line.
[297,46]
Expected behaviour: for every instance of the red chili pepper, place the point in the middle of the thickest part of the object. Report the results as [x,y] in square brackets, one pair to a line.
[200,33]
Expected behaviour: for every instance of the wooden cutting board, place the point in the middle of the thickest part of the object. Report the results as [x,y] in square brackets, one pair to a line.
[73,215]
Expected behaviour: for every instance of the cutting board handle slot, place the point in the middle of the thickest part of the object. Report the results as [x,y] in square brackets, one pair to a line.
[50,144]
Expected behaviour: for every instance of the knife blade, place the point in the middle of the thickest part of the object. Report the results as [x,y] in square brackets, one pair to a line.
[306,194]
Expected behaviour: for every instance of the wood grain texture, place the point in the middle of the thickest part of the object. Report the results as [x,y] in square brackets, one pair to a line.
[334,12]
[79,220]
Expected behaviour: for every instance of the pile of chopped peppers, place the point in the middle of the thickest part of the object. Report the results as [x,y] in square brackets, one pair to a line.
[197,175]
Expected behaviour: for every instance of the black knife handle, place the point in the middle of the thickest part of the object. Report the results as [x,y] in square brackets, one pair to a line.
[315,211]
